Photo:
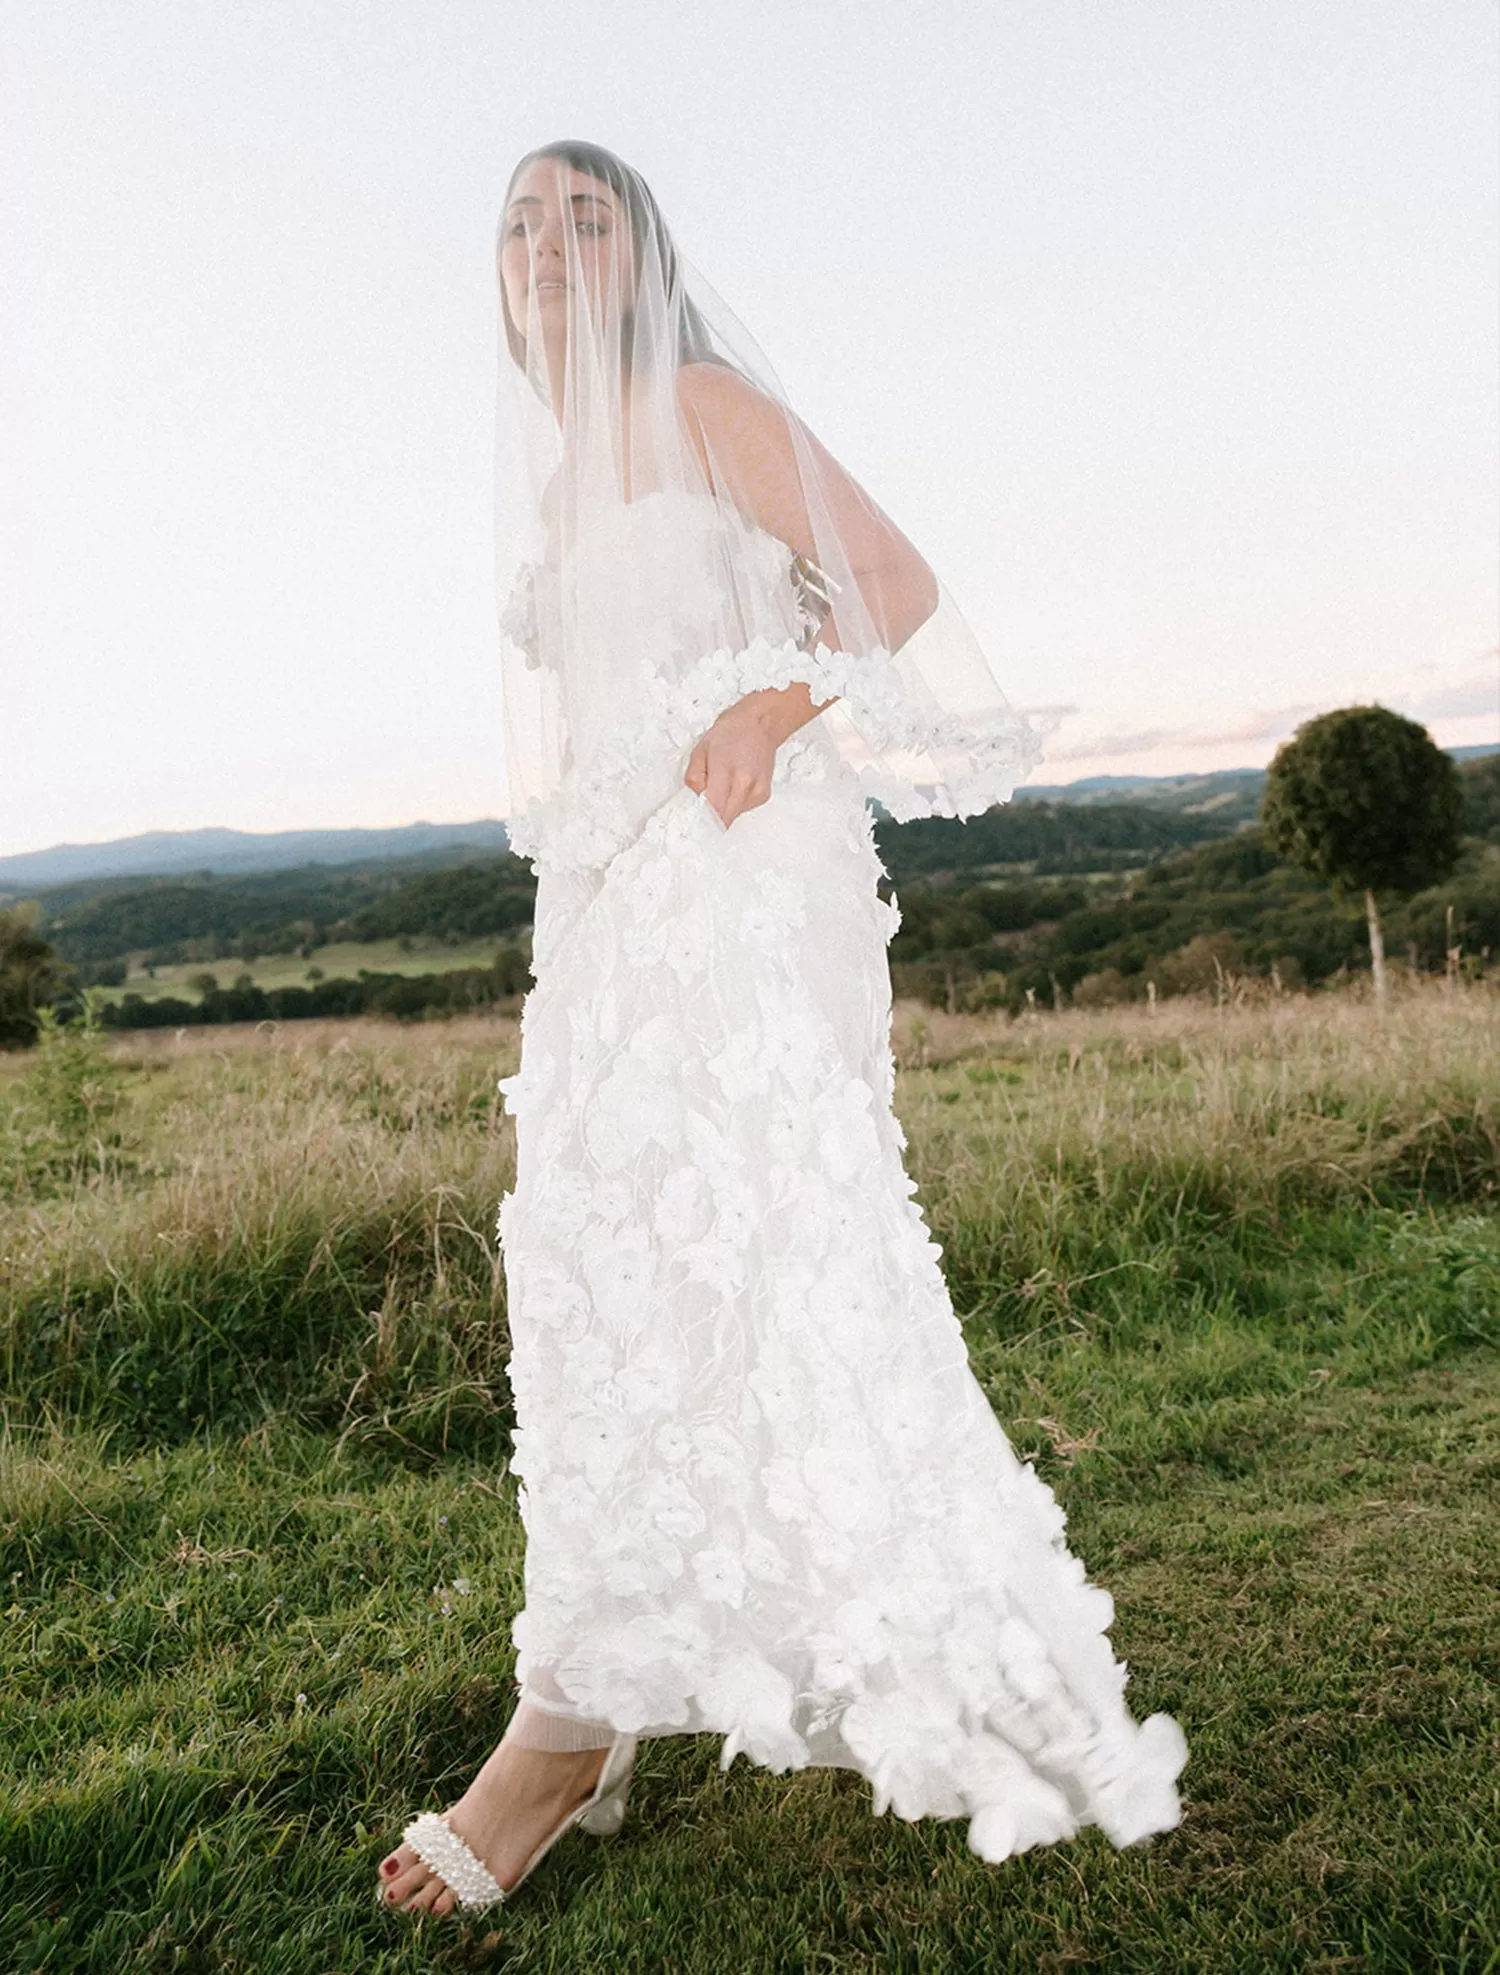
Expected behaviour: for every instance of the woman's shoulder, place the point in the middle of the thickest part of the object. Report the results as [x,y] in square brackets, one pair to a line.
[741,433]
[718,396]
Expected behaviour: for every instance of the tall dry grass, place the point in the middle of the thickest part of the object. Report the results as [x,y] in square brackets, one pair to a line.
[1297,1098]
[295,1219]
[298,1221]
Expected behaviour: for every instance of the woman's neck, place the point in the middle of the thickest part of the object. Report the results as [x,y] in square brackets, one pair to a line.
[632,453]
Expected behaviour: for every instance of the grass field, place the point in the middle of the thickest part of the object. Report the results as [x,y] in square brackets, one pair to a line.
[1230,1275]
[277,970]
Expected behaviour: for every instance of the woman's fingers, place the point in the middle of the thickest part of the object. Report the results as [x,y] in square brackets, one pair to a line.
[732,790]
[732,767]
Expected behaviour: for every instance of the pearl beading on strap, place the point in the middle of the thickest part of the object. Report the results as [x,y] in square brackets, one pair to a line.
[442,1851]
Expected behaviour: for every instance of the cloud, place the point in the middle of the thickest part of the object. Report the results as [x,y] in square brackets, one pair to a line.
[1266,724]
[1475,694]
[1428,693]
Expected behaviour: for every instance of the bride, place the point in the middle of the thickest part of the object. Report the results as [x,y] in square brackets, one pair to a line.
[764,1495]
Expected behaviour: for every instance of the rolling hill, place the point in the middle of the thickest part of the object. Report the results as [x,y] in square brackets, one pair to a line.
[1092,897]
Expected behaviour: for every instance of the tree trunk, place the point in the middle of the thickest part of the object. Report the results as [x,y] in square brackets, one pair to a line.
[1377,948]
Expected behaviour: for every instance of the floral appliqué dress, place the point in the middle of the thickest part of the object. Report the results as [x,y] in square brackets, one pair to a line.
[764,1496]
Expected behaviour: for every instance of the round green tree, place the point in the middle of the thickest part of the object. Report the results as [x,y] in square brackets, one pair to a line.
[30,976]
[1369,802]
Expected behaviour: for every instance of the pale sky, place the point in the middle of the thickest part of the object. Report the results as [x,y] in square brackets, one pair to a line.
[1167,329]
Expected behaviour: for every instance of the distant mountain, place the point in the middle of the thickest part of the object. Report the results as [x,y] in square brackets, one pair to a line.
[1230,797]
[165,852]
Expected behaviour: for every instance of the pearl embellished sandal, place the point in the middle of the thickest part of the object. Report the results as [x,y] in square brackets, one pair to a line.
[470,1880]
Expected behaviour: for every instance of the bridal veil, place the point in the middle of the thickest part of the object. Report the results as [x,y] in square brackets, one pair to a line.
[920,717]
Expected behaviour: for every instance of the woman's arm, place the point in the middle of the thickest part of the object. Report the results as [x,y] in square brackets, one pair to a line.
[744,441]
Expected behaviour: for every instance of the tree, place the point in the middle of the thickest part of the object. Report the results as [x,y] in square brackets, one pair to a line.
[1481,782]
[1368,802]
[30,976]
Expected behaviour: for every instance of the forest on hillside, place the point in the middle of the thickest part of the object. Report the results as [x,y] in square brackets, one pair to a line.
[170,921]
[1196,921]
[1034,903]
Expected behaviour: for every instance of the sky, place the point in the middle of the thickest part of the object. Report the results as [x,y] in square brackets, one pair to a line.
[1167,329]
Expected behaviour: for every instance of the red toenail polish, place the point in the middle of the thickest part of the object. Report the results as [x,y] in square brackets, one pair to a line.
[388,1867]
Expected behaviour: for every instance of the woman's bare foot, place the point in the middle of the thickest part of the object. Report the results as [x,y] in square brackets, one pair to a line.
[518,1798]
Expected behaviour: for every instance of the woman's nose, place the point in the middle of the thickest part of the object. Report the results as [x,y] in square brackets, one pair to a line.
[547,264]
[547,243]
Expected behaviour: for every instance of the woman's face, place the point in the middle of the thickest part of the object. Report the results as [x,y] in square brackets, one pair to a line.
[561,229]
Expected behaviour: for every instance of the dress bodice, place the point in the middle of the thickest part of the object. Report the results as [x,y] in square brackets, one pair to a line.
[655,582]
[629,624]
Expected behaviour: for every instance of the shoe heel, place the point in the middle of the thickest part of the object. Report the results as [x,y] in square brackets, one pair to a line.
[606,1813]
[607,1816]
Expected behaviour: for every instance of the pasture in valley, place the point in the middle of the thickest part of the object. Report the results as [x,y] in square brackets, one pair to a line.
[282,970]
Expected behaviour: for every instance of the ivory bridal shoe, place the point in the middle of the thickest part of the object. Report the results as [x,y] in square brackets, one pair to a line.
[470,1880]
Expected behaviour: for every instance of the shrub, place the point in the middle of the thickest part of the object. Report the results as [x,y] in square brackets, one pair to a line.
[1102,990]
[31,975]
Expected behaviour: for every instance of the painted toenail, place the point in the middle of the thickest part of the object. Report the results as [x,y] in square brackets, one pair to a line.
[388,1866]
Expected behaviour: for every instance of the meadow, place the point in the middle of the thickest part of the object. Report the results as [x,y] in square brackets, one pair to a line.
[282,970]
[1230,1275]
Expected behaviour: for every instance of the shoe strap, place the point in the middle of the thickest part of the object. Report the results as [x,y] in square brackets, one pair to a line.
[442,1851]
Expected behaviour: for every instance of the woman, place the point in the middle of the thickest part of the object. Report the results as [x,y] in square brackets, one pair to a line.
[764,1495]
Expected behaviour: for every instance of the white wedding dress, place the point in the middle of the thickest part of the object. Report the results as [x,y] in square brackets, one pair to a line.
[764,1495]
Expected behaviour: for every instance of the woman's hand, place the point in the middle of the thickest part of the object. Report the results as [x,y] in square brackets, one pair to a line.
[733,763]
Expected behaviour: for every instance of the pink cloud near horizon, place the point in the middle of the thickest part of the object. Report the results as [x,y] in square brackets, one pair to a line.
[1461,711]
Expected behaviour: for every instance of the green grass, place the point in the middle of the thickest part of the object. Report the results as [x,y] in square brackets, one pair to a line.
[1231,1278]
[341,959]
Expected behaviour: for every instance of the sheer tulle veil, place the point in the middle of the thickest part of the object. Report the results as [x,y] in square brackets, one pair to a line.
[596,456]
[765,1496]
